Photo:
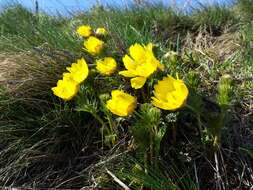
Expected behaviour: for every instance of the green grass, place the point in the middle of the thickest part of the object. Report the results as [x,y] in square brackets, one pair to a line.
[45,142]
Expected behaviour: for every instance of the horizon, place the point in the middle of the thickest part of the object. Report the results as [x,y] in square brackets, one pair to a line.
[65,7]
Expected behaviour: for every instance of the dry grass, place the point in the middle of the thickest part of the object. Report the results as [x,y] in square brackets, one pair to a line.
[219,55]
[8,68]
[31,74]
[216,48]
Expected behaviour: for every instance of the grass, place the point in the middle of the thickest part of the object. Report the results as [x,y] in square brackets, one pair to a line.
[45,142]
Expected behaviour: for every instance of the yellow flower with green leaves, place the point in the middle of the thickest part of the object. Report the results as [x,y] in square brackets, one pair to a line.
[140,64]
[101,31]
[84,30]
[78,71]
[66,89]
[106,66]
[170,93]
[93,45]
[121,103]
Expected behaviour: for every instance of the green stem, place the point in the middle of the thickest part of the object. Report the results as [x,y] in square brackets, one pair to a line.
[217,131]
[111,124]
[98,118]
[156,148]
[151,148]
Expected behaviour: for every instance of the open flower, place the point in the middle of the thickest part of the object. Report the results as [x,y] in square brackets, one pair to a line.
[101,31]
[66,89]
[84,30]
[140,64]
[170,94]
[121,103]
[93,45]
[79,71]
[106,66]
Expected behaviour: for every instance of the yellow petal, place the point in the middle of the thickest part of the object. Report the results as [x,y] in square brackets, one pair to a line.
[66,90]
[146,69]
[106,66]
[181,92]
[150,53]
[101,31]
[149,47]
[137,52]
[129,62]
[116,93]
[181,88]
[138,82]
[121,104]
[164,86]
[79,71]
[115,108]
[170,93]
[158,103]
[84,30]
[67,76]
[93,45]
[128,73]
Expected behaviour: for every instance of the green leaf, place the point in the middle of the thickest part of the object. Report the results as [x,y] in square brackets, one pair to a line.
[248,151]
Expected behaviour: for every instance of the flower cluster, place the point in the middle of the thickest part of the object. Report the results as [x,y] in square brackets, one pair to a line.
[86,31]
[68,87]
[140,63]
[92,44]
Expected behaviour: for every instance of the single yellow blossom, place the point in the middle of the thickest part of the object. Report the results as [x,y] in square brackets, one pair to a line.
[106,66]
[121,103]
[93,45]
[101,31]
[84,30]
[140,64]
[66,89]
[170,93]
[78,71]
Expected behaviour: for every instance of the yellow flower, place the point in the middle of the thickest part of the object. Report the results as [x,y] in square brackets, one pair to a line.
[79,71]
[121,103]
[106,66]
[170,94]
[140,64]
[93,45]
[84,30]
[66,89]
[101,31]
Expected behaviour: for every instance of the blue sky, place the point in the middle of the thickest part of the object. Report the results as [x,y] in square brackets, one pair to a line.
[63,6]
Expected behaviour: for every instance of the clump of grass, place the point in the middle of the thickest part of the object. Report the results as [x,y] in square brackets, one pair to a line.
[246,9]
[215,18]
[21,31]
[37,132]
[128,172]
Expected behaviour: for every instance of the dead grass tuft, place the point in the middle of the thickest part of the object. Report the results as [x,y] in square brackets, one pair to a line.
[218,48]
[30,74]
[8,68]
